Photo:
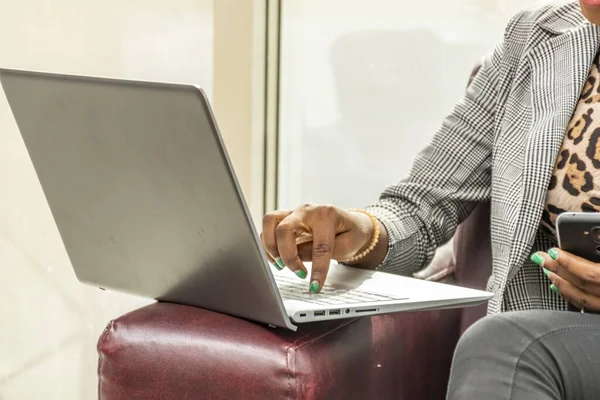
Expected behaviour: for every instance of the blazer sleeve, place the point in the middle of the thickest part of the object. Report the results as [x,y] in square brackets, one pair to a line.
[448,178]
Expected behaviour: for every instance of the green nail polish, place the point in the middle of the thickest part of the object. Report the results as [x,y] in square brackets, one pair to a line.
[554,289]
[277,266]
[301,274]
[538,259]
[314,287]
[280,263]
[547,272]
[553,253]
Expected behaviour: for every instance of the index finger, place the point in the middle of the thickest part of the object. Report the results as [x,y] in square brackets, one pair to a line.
[322,252]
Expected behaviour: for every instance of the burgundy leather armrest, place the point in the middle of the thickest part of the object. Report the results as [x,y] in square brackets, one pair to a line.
[166,351]
[473,258]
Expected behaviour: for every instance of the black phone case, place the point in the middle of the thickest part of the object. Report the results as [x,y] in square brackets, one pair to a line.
[579,234]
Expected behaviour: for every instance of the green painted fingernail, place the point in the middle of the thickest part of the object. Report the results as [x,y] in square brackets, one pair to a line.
[547,272]
[314,287]
[554,289]
[538,259]
[301,274]
[553,253]
[277,266]
[280,264]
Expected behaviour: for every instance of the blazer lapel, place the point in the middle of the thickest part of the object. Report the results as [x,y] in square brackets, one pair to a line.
[559,68]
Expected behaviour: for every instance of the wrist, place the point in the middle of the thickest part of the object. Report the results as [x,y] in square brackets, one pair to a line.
[377,255]
[366,228]
[369,230]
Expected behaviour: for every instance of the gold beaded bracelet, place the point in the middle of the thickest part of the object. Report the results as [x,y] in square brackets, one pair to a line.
[374,240]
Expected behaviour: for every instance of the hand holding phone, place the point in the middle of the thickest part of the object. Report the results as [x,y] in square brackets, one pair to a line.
[579,234]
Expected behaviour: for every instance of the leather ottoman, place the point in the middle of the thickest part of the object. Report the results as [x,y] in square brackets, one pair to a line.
[167,351]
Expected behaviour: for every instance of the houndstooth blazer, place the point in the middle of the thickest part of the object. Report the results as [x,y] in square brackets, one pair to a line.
[499,144]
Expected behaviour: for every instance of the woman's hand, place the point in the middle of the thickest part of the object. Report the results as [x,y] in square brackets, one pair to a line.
[574,278]
[319,233]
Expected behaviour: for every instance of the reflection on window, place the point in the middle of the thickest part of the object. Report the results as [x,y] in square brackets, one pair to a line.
[366,84]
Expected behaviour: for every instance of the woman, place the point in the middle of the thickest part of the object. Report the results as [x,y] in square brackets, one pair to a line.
[527,138]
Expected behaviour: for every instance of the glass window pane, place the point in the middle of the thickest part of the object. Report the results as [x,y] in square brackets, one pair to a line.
[366,84]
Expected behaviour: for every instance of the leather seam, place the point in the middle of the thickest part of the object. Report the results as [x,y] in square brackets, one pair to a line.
[292,348]
[539,339]
[107,330]
[288,355]
[327,333]
[300,339]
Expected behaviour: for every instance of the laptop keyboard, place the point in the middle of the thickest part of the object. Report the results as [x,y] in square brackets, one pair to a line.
[294,289]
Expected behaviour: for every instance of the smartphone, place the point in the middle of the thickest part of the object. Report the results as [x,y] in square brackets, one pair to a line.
[579,234]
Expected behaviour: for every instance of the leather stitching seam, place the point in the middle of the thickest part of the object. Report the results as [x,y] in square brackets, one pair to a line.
[288,355]
[327,333]
[107,330]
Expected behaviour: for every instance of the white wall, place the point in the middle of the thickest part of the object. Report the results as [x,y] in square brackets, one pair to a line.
[49,322]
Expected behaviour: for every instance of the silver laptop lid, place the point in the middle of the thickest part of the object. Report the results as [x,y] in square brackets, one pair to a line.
[142,191]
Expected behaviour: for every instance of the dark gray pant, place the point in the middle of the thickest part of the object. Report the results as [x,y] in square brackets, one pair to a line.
[529,355]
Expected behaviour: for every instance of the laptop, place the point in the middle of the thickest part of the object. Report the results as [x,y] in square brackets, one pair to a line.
[146,201]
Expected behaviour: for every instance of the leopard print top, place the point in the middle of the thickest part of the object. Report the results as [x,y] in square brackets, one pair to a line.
[575,184]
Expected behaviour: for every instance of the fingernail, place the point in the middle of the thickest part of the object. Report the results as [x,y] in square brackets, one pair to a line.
[277,266]
[301,274]
[314,287]
[554,289]
[538,259]
[553,253]
[280,264]
[547,272]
